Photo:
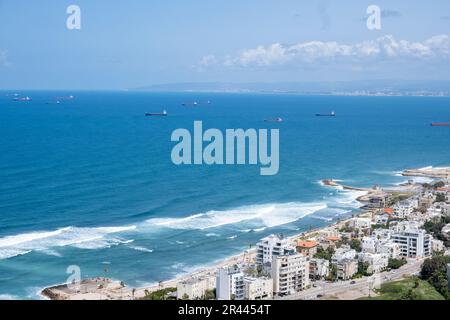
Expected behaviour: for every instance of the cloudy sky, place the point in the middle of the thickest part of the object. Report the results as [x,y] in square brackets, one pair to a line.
[126,44]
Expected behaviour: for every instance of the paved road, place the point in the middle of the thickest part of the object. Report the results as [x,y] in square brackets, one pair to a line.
[364,285]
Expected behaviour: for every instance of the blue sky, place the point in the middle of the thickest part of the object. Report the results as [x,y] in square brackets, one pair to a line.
[126,44]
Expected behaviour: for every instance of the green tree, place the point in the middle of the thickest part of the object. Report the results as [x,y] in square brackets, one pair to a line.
[356,245]
[185,297]
[440,197]
[396,263]
[434,270]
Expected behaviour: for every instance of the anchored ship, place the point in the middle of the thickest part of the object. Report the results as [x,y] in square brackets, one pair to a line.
[331,114]
[157,114]
[273,120]
[440,124]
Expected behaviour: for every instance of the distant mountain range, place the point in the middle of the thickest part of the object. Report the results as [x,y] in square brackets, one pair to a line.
[360,88]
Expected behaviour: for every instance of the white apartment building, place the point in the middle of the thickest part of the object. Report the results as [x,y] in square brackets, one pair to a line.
[290,274]
[270,247]
[381,219]
[345,252]
[389,249]
[406,207]
[369,244]
[230,283]
[346,269]
[405,225]
[377,262]
[382,246]
[361,223]
[258,288]
[319,268]
[413,242]
[195,288]
[437,245]
[381,234]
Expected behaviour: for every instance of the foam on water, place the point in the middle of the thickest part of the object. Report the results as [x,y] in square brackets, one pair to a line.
[83,238]
[268,215]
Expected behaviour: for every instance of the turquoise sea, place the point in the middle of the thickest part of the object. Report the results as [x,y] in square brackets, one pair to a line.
[90,181]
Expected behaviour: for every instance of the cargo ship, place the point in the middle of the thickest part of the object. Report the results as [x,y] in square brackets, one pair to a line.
[157,114]
[22,99]
[331,114]
[440,124]
[273,120]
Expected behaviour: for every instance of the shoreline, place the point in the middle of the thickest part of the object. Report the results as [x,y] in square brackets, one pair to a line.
[209,270]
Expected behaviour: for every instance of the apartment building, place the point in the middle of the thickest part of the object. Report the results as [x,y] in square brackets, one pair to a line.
[413,242]
[195,288]
[258,288]
[290,274]
[271,246]
[230,283]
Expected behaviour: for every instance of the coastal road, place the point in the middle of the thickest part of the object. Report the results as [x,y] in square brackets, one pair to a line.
[357,288]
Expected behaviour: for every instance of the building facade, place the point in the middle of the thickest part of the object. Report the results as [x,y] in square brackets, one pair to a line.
[258,288]
[194,289]
[230,283]
[290,274]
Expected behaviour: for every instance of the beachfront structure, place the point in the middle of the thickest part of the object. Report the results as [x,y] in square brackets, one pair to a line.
[258,288]
[230,283]
[195,288]
[376,262]
[361,223]
[405,208]
[346,269]
[290,274]
[378,201]
[318,268]
[413,242]
[307,248]
[270,247]
[343,253]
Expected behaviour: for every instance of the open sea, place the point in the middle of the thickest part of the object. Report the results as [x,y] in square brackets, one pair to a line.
[90,181]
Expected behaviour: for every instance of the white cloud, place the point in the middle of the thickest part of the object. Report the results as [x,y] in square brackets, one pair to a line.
[208,60]
[383,48]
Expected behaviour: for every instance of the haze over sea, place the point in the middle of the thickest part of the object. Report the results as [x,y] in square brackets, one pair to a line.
[90,181]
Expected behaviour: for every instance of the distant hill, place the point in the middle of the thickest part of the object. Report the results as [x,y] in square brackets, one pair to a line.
[367,87]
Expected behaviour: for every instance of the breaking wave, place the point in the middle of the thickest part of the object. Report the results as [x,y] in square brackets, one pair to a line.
[269,215]
[83,238]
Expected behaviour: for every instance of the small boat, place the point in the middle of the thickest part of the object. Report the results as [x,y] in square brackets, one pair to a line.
[65,98]
[54,102]
[273,120]
[185,104]
[157,114]
[332,114]
[440,124]
[22,99]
